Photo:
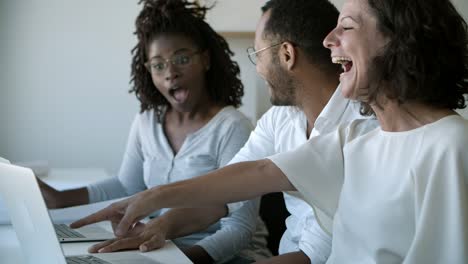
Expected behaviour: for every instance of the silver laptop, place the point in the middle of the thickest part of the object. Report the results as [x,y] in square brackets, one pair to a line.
[33,227]
[2,160]
[85,234]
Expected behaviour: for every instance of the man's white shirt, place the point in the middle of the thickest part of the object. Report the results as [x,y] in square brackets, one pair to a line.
[281,129]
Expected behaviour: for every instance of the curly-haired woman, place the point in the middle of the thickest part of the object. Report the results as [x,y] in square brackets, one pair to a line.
[396,193]
[188,125]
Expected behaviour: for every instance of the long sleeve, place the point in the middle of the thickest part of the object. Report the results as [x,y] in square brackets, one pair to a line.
[233,141]
[235,233]
[314,242]
[237,229]
[274,133]
[130,177]
[282,129]
[306,166]
[261,142]
[259,145]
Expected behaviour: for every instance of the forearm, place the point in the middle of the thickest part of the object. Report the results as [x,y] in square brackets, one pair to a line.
[198,255]
[74,197]
[237,182]
[185,221]
[61,199]
[294,257]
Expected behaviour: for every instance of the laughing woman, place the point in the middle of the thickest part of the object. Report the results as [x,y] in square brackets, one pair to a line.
[188,88]
[397,193]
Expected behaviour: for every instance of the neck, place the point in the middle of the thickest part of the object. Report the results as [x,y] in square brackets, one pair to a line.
[394,117]
[314,92]
[201,112]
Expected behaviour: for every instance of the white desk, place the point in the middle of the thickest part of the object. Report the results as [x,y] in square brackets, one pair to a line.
[10,251]
[72,178]
[62,179]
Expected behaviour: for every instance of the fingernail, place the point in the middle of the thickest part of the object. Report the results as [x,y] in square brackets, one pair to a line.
[144,248]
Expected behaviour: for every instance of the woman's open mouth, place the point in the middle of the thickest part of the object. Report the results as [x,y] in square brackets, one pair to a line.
[346,63]
[178,93]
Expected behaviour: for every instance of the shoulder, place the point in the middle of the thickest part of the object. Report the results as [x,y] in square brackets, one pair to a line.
[147,116]
[230,117]
[358,128]
[279,116]
[146,119]
[456,128]
[282,112]
[443,156]
[448,134]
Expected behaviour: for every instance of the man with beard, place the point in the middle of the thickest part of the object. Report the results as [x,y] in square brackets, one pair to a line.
[303,83]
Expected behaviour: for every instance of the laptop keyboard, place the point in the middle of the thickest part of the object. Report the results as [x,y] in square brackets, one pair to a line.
[63,231]
[88,259]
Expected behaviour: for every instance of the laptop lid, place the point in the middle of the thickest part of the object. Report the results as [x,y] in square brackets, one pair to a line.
[32,224]
[29,215]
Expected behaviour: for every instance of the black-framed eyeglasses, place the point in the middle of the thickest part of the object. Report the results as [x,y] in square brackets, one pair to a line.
[252,53]
[157,66]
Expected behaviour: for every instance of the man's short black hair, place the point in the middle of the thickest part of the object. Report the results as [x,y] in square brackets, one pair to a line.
[305,23]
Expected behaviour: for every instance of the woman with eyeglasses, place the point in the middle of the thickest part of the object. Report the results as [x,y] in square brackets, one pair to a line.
[188,125]
[397,193]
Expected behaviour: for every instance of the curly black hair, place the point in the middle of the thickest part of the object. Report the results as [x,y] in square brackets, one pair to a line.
[187,19]
[304,23]
[426,59]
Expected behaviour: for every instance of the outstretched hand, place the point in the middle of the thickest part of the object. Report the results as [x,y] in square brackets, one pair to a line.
[124,215]
[145,237]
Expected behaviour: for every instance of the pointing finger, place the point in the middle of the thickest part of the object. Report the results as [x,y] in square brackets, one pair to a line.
[99,216]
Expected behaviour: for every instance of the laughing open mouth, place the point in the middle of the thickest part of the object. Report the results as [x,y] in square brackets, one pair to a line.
[346,63]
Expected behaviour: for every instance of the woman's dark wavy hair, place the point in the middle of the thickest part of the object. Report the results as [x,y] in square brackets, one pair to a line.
[426,59]
[187,19]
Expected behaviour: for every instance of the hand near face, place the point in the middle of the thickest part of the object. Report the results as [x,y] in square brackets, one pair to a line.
[145,237]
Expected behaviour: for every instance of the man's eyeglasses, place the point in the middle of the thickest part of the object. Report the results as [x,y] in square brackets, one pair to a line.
[157,66]
[252,53]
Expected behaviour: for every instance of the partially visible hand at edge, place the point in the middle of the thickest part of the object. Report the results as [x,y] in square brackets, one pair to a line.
[145,237]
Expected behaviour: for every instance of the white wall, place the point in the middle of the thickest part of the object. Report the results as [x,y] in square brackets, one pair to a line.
[64,90]
[234,15]
[64,77]
[2,70]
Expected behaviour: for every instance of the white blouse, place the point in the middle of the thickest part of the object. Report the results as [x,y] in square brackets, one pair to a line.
[394,197]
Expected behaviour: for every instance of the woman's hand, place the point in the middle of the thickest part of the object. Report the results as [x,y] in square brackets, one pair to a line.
[145,237]
[124,215]
[51,195]
[59,199]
